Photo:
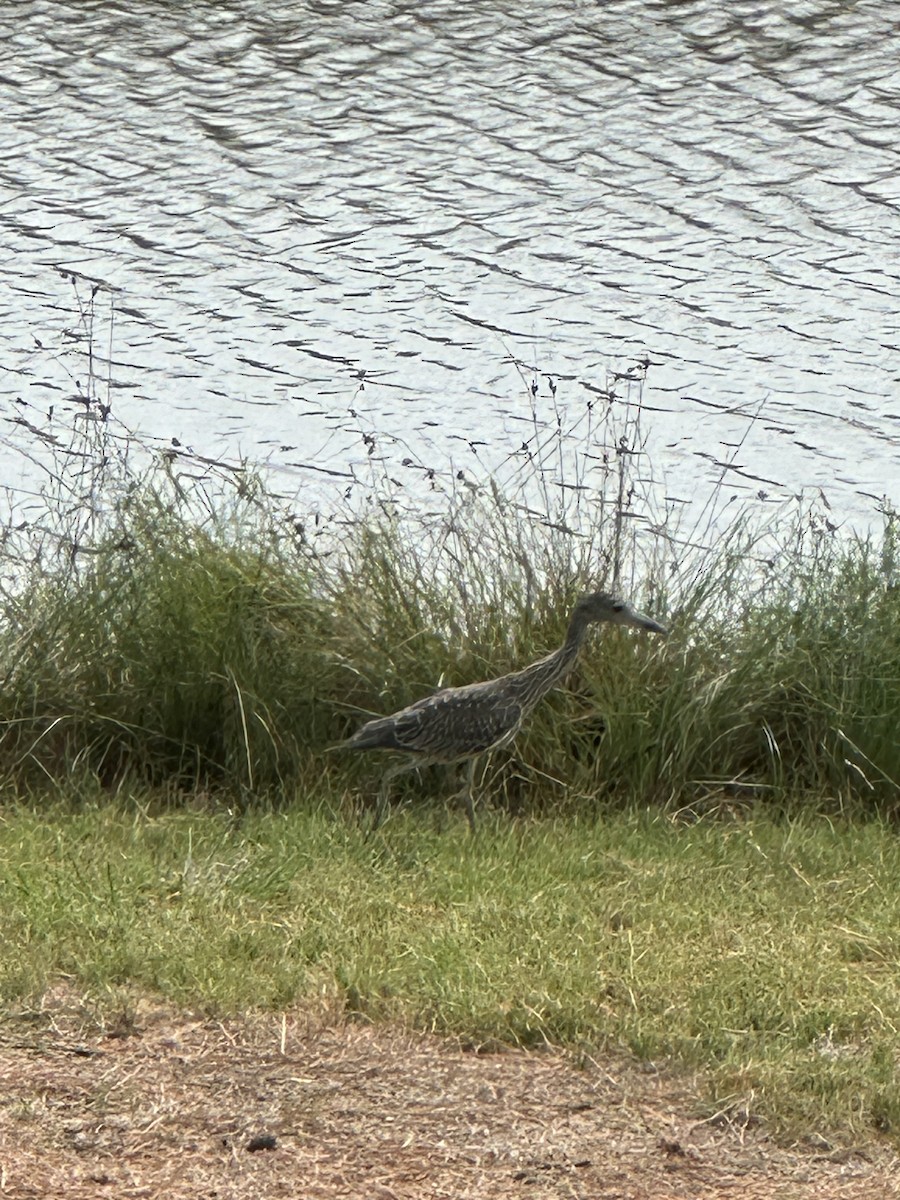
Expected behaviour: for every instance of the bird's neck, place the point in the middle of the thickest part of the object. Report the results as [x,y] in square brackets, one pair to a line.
[535,681]
[568,651]
[575,634]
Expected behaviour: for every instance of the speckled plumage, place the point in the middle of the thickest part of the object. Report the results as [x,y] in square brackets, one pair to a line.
[461,723]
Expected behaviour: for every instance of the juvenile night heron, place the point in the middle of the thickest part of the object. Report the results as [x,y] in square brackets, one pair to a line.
[460,723]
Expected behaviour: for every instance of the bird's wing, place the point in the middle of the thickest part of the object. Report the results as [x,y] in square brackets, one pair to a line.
[457,722]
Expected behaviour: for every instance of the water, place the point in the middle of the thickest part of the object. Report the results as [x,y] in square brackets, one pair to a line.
[318,221]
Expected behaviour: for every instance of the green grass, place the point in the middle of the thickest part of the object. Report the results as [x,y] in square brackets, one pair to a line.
[194,651]
[764,952]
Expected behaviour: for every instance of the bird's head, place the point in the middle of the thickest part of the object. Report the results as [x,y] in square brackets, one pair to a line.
[601,606]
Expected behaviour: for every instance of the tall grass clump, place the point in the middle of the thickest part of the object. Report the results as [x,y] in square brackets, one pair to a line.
[182,645]
[171,618]
[783,684]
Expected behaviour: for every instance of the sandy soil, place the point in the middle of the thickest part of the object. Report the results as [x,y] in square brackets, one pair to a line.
[171,1107]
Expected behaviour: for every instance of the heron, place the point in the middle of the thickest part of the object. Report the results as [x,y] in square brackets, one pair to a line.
[456,724]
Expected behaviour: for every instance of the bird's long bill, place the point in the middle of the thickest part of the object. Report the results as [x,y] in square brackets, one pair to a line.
[642,622]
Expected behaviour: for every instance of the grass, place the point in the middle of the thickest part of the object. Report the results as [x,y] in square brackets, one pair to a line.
[762,952]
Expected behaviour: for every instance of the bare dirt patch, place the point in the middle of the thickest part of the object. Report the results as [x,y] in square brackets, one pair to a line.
[175,1107]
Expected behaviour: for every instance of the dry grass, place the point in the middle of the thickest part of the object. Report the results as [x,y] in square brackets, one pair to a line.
[172,1106]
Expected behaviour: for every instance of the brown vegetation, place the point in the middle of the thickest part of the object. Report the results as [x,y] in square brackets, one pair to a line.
[167,1105]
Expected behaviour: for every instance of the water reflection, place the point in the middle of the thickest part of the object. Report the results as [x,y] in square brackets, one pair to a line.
[291,198]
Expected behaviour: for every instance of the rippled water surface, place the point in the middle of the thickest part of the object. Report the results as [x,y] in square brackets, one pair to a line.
[288,198]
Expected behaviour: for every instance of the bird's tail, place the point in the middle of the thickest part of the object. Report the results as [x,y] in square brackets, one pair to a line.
[376,735]
[380,734]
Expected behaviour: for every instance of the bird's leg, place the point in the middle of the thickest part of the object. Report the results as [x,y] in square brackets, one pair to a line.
[391,774]
[466,793]
[470,801]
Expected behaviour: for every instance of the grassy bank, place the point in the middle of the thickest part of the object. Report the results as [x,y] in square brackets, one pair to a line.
[169,621]
[762,952]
